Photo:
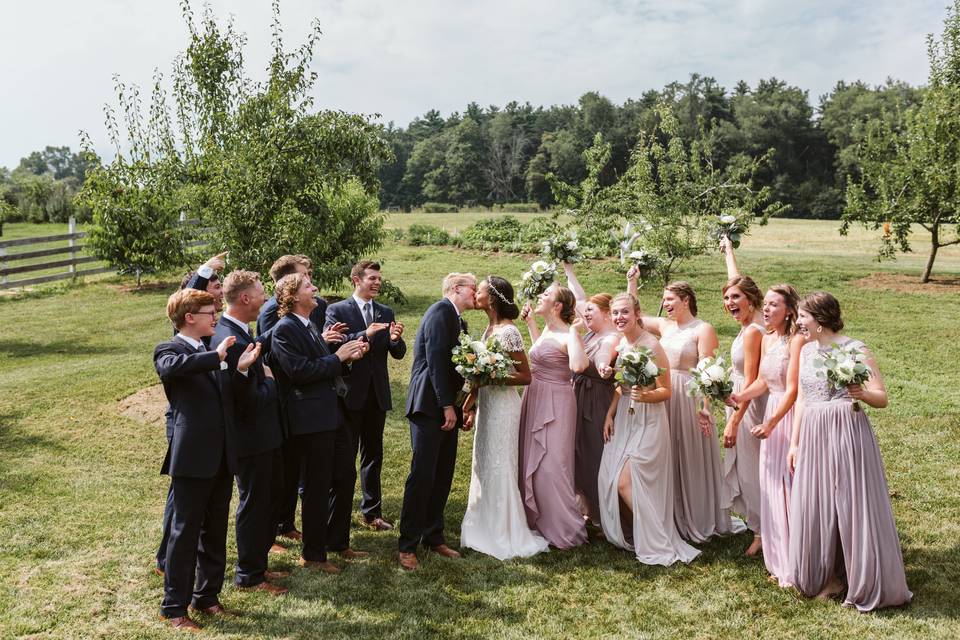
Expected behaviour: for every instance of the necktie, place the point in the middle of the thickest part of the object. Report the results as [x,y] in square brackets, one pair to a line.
[368,313]
[463,324]
[339,384]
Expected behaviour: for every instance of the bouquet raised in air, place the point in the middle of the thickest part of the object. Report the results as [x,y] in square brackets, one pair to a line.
[732,226]
[481,362]
[564,248]
[646,262]
[843,366]
[535,281]
[711,378]
[637,367]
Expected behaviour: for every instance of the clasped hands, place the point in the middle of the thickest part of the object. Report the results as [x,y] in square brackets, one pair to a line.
[247,358]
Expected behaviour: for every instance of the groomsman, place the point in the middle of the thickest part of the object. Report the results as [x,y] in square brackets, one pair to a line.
[201,455]
[312,388]
[434,420]
[259,470]
[369,399]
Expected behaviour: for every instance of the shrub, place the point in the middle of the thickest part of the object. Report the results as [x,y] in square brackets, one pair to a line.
[427,234]
[503,233]
[439,207]
[520,207]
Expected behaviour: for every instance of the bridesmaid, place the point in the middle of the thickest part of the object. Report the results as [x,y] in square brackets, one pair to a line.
[594,393]
[636,478]
[779,366]
[696,452]
[548,422]
[841,518]
[742,299]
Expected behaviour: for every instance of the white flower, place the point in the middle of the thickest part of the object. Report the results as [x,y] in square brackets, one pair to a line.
[539,267]
[714,373]
[631,356]
[637,255]
[459,369]
[845,369]
[572,245]
[728,219]
[651,368]
[478,347]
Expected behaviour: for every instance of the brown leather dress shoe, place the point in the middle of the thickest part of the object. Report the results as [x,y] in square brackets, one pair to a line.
[277,548]
[269,587]
[353,554]
[293,534]
[326,566]
[445,551]
[408,561]
[216,610]
[184,623]
[158,571]
[378,524]
[276,575]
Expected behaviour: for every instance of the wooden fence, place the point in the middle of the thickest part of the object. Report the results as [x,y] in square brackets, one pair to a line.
[73,248]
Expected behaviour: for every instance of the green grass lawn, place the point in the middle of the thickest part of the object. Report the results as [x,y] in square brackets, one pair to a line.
[81,497]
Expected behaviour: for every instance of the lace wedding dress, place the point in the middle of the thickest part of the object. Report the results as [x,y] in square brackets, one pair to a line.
[495,523]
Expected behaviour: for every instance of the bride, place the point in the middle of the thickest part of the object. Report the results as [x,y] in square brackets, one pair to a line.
[495,523]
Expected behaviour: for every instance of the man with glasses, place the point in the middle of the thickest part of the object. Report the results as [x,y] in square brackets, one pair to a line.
[434,420]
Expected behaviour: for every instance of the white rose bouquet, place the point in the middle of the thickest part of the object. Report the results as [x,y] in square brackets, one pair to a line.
[564,248]
[711,379]
[730,225]
[535,281]
[637,367]
[480,362]
[646,262]
[843,366]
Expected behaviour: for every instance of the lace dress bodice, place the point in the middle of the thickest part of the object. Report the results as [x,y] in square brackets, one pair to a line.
[816,388]
[774,364]
[681,346]
[507,335]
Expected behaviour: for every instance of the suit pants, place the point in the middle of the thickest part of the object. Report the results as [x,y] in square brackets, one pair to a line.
[366,428]
[167,521]
[197,548]
[328,479]
[428,485]
[285,511]
[255,527]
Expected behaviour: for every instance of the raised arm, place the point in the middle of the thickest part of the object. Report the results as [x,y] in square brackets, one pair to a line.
[729,257]
[576,352]
[527,315]
[575,287]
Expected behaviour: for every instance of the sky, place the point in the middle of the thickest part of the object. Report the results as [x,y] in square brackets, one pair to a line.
[400,58]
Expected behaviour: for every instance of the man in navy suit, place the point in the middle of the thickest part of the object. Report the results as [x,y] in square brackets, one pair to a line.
[286,508]
[369,399]
[311,391]
[201,455]
[434,420]
[258,436]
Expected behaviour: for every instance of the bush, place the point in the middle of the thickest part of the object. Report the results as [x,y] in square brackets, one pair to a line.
[503,233]
[520,207]
[427,234]
[439,207]
[394,235]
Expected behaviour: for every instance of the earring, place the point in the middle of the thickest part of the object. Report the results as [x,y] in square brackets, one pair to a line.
[819,329]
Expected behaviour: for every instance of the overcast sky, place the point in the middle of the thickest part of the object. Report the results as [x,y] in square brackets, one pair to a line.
[400,58]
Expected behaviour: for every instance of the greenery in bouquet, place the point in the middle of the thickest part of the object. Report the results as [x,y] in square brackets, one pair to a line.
[843,366]
[562,248]
[536,280]
[711,378]
[648,263]
[637,367]
[732,224]
[481,362]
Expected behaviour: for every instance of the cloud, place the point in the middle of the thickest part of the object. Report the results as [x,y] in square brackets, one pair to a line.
[400,59]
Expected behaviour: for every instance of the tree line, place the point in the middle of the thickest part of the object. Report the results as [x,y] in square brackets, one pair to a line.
[43,187]
[496,155]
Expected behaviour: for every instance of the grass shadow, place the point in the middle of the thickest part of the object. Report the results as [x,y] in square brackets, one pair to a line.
[28,348]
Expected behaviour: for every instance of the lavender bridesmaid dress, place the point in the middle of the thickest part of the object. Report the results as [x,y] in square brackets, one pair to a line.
[840,499]
[741,463]
[775,480]
[548,422]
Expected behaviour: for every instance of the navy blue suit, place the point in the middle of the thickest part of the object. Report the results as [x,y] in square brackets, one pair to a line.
[434,384]
[286,509]
[369,399]
[309,376]
[258,436]
[201,455]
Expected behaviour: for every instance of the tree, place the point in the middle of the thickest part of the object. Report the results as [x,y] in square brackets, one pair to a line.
[911,174]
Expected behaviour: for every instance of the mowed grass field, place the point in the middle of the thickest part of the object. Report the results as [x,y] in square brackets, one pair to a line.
[81,497]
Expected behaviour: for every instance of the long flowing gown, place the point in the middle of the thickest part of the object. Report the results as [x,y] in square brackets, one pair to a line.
[548,422]
[840,498]
[696,458]
[494,522]
[775,478]
[641,442]
[594,395]
[741,463]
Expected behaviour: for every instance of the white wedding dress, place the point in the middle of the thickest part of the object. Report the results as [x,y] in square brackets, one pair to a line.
[495,523]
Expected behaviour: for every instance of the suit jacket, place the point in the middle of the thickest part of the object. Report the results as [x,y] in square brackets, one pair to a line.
[201,398]
[306,372]
[371,370]
[268,317]
[257,414]
[434,382]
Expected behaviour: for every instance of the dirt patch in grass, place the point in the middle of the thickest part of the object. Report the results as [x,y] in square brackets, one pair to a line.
[147,405]
[903,283]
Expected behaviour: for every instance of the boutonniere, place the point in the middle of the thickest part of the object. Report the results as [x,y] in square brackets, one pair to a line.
[223,365]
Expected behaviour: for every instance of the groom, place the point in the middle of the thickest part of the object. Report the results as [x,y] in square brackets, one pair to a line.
[434,420]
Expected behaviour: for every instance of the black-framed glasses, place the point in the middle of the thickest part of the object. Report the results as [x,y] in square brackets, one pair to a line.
[212,314]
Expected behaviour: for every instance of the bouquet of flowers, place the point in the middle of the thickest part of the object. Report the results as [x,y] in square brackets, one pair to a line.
[711,379]
[535,281]
[731,226]
[480,362]
[843,366]
[637,367]
[647,263]
[564,248]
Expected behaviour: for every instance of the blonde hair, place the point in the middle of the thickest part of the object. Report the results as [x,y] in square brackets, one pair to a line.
[237,282]
[792,300]
[285,265]
[454,280]
[286,292]
[185,301]
[632,299]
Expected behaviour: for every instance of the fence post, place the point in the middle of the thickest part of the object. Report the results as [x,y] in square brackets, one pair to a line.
[3,265]
[72,243]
